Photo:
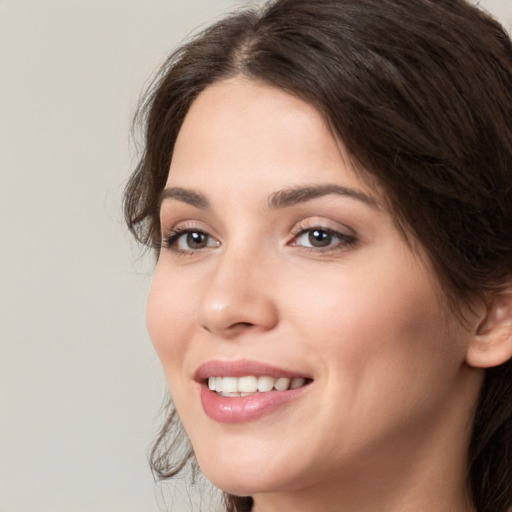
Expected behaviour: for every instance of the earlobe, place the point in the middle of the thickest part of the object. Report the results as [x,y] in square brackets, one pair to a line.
[492,342]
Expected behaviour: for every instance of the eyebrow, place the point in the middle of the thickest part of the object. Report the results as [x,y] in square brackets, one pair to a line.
[185,196]
[277,200]
[295,195]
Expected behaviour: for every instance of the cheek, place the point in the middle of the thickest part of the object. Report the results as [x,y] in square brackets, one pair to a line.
[382,335]
[168,318]
[361,307]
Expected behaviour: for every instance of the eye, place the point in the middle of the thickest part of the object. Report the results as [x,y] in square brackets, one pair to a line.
[318,238]
[322,238]
[189,240]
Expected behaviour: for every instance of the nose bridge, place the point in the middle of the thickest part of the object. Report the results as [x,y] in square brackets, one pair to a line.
[237,297]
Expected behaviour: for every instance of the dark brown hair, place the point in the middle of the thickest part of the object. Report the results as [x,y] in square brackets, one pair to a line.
[420,92]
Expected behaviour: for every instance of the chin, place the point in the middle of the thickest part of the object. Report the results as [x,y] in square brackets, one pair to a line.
[246,483]
[244,479]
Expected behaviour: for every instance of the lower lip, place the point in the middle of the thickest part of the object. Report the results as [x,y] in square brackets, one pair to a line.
[245,408]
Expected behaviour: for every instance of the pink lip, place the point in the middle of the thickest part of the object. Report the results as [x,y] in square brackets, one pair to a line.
[242,368]
[247,408]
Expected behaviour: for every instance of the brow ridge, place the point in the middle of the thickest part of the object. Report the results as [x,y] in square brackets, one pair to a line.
[184,195]
[289,197]
[277,200]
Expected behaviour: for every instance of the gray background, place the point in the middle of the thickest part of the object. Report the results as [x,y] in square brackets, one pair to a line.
[80,386]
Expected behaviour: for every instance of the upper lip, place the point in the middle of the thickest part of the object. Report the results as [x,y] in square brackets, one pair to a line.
[242,368]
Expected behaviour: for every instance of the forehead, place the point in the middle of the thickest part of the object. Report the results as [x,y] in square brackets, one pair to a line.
[240,129]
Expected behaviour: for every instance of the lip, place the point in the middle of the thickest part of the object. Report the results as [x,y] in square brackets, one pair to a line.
[248,408]
[243,368]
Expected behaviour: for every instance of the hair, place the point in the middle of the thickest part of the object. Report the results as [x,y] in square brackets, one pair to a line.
[420,93]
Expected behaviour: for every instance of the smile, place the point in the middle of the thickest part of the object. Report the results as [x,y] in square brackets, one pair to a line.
[232,387]
[241,391]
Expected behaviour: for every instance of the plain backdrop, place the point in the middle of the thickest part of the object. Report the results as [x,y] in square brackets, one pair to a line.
[80,386]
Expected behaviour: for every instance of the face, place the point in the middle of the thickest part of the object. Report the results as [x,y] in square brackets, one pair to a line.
[281,268]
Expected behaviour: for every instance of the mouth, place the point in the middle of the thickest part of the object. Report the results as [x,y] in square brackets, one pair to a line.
[249,385]
[241,391]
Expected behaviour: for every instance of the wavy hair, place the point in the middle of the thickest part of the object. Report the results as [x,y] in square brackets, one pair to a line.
[420,92]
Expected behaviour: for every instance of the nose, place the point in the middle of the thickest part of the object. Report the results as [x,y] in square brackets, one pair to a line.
[238,298]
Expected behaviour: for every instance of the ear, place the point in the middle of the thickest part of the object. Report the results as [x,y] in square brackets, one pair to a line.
[492,342]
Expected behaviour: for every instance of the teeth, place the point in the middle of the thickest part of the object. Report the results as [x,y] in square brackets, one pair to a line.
[282,384]
[229,385]
[244,386]
[247,384]
[265,383]
[297,383]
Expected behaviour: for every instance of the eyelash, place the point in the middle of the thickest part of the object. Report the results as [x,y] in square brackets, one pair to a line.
[171,240]
[344,241]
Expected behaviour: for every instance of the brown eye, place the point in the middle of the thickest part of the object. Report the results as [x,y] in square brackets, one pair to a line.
[196,240]
[319,238]
[189,240]
[323,239]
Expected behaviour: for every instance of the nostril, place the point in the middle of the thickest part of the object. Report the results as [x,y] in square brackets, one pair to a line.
[233,328]
[242,324]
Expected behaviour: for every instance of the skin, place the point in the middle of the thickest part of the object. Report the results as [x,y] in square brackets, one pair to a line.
[385,423]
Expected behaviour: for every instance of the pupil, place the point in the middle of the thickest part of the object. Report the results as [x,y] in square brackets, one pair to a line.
[196,240]
[318,238]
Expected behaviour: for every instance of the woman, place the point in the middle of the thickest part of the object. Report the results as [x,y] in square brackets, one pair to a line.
[327,186]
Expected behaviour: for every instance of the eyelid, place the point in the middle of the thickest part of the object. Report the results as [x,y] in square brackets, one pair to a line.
[172,235]
[171,241]
[346,236]
[168,228]
[321,223]
[343,235]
